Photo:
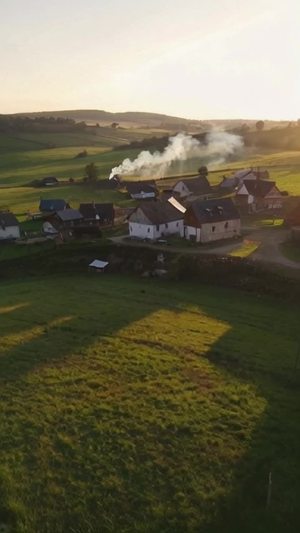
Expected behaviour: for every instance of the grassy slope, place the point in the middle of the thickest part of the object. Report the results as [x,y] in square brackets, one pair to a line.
[19,168]
[291,250]
[20,200]
[22,167]
[128,405]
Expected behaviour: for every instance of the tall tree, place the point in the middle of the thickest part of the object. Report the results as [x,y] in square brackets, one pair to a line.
[91,172]
[260,125]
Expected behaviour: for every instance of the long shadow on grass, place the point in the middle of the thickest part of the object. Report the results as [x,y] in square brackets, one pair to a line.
[265,489]
[142,461]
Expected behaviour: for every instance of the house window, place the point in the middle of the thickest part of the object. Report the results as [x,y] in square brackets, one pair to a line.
[213,228]
[226,225]
[166,225]
[148,230]
[157,228]
[177,224]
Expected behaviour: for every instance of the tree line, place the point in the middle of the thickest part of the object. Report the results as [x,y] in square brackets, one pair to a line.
[18,124]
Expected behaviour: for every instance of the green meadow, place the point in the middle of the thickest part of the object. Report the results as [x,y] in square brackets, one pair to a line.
[28,157]
[130,405]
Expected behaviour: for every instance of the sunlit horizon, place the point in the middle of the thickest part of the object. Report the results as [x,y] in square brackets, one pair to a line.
[191,60]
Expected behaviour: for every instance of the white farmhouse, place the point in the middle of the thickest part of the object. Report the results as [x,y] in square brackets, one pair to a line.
[9,226]
[211,220]
[154,219]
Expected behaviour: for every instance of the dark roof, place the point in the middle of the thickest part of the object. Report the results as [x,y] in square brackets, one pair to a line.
[259,188]
[8,219]
[49,179]
[136,187]
[52,205]
[214,210]
[229,183]
[197,185]
[159,212]
[66,215]
[104,211]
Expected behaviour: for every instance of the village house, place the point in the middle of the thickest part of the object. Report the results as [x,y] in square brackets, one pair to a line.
[9,226]
[66,219]
[211,220]
[229,184]
[154,220]
[257,195]
[197,187]
[53,205]
[142,190]
[98,214]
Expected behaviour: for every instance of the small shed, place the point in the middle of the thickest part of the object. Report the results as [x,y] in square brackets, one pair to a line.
[98,265]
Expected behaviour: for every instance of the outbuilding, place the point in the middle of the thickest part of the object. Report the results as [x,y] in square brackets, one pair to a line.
[98,265]
[9,226]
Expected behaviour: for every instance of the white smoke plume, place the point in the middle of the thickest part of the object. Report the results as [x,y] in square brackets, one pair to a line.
[218,146]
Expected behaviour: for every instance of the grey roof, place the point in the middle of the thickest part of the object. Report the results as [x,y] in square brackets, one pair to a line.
[137,187]
[216,210]
[197,185]
[159,212]
[67,215]
[259,188]
[97,263]
[52,205]
[230,183]
[8,219]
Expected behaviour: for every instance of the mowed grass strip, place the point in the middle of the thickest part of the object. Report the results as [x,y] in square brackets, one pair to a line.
[131,405]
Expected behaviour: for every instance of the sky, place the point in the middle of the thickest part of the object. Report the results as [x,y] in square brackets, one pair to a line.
[190,58]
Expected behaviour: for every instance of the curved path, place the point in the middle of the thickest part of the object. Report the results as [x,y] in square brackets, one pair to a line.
[268,250]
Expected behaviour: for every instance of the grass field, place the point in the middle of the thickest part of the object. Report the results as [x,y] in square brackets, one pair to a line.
[20,166]
[131,405]
[291,250]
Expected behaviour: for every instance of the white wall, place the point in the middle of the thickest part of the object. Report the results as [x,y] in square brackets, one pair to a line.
[11,232]
[192,234]
[150,231]
[181,189]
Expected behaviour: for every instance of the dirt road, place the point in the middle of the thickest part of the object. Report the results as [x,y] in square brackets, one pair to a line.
[268,250]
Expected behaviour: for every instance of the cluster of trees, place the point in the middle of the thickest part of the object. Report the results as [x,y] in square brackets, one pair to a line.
[20,123]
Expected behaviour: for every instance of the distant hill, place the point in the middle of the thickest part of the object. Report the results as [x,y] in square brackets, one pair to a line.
[125,119]
[139,119]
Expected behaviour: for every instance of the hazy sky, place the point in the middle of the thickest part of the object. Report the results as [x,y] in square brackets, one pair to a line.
[192,58]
